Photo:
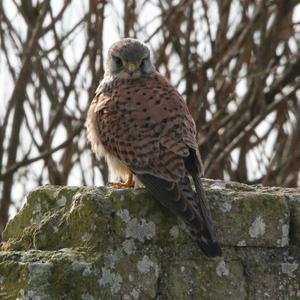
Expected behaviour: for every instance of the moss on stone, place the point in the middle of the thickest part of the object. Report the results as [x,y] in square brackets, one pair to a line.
[43,201]
[106,243]
[12,279]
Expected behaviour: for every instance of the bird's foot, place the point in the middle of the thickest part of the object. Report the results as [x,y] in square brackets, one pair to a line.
[121,184]
[128,184]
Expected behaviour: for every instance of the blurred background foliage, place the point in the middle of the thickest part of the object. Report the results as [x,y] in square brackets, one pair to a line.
[236,62]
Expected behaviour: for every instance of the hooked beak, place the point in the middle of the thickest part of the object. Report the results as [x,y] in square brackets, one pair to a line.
[131,67]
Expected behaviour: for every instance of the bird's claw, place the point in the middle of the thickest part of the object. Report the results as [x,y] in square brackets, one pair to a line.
[122,184]
[128,184]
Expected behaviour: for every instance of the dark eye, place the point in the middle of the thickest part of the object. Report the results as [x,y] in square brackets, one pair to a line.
[143,62]
[118,61]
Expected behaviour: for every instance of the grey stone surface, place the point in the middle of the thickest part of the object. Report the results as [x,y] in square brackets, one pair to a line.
[105,243]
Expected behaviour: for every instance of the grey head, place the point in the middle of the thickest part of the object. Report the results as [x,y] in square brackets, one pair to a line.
[128,58]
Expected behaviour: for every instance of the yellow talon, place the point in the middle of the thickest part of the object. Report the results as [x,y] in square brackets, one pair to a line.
[129,183]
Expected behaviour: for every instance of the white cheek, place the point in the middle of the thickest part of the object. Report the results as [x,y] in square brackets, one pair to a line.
[125,75]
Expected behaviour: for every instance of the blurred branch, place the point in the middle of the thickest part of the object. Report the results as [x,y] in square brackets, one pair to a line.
[18,98]
[27,161]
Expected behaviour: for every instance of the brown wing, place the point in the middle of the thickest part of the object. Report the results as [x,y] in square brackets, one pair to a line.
[146,124]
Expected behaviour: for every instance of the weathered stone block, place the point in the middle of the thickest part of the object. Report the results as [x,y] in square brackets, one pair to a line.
[204,279]
[246,216]
[104,243]
[52,219]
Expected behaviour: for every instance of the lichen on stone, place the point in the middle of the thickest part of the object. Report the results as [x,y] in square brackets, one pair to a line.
[174,232]
[145,265]
[124,215]
[242,243]
[36,213]
[285,235]
[87,296]
[86,237]
[222,269]
[110,260]
[112,279]
[289,268]
[87,270]
[2,278]
[257,228]
[129,246]
[140,230]
[78,265]
[135,294]
[28,295]
[39,274]
[226,207]
[61,202]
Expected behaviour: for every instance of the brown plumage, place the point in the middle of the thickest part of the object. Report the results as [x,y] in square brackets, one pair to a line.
[142,125]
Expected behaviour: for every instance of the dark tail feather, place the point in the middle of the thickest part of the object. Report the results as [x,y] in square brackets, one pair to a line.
[191,207]
[213,247]
[207,242]
[205,238]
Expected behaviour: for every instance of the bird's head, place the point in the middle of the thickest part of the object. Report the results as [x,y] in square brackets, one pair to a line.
[128,58]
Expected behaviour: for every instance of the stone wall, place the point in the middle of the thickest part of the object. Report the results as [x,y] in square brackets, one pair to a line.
[106,243]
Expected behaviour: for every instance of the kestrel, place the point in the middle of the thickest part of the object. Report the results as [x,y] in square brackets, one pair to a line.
[141,124]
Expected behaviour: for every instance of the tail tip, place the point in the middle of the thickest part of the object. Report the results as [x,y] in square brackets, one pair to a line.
[211,249]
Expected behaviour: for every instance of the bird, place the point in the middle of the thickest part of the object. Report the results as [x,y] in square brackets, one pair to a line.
[141,124]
